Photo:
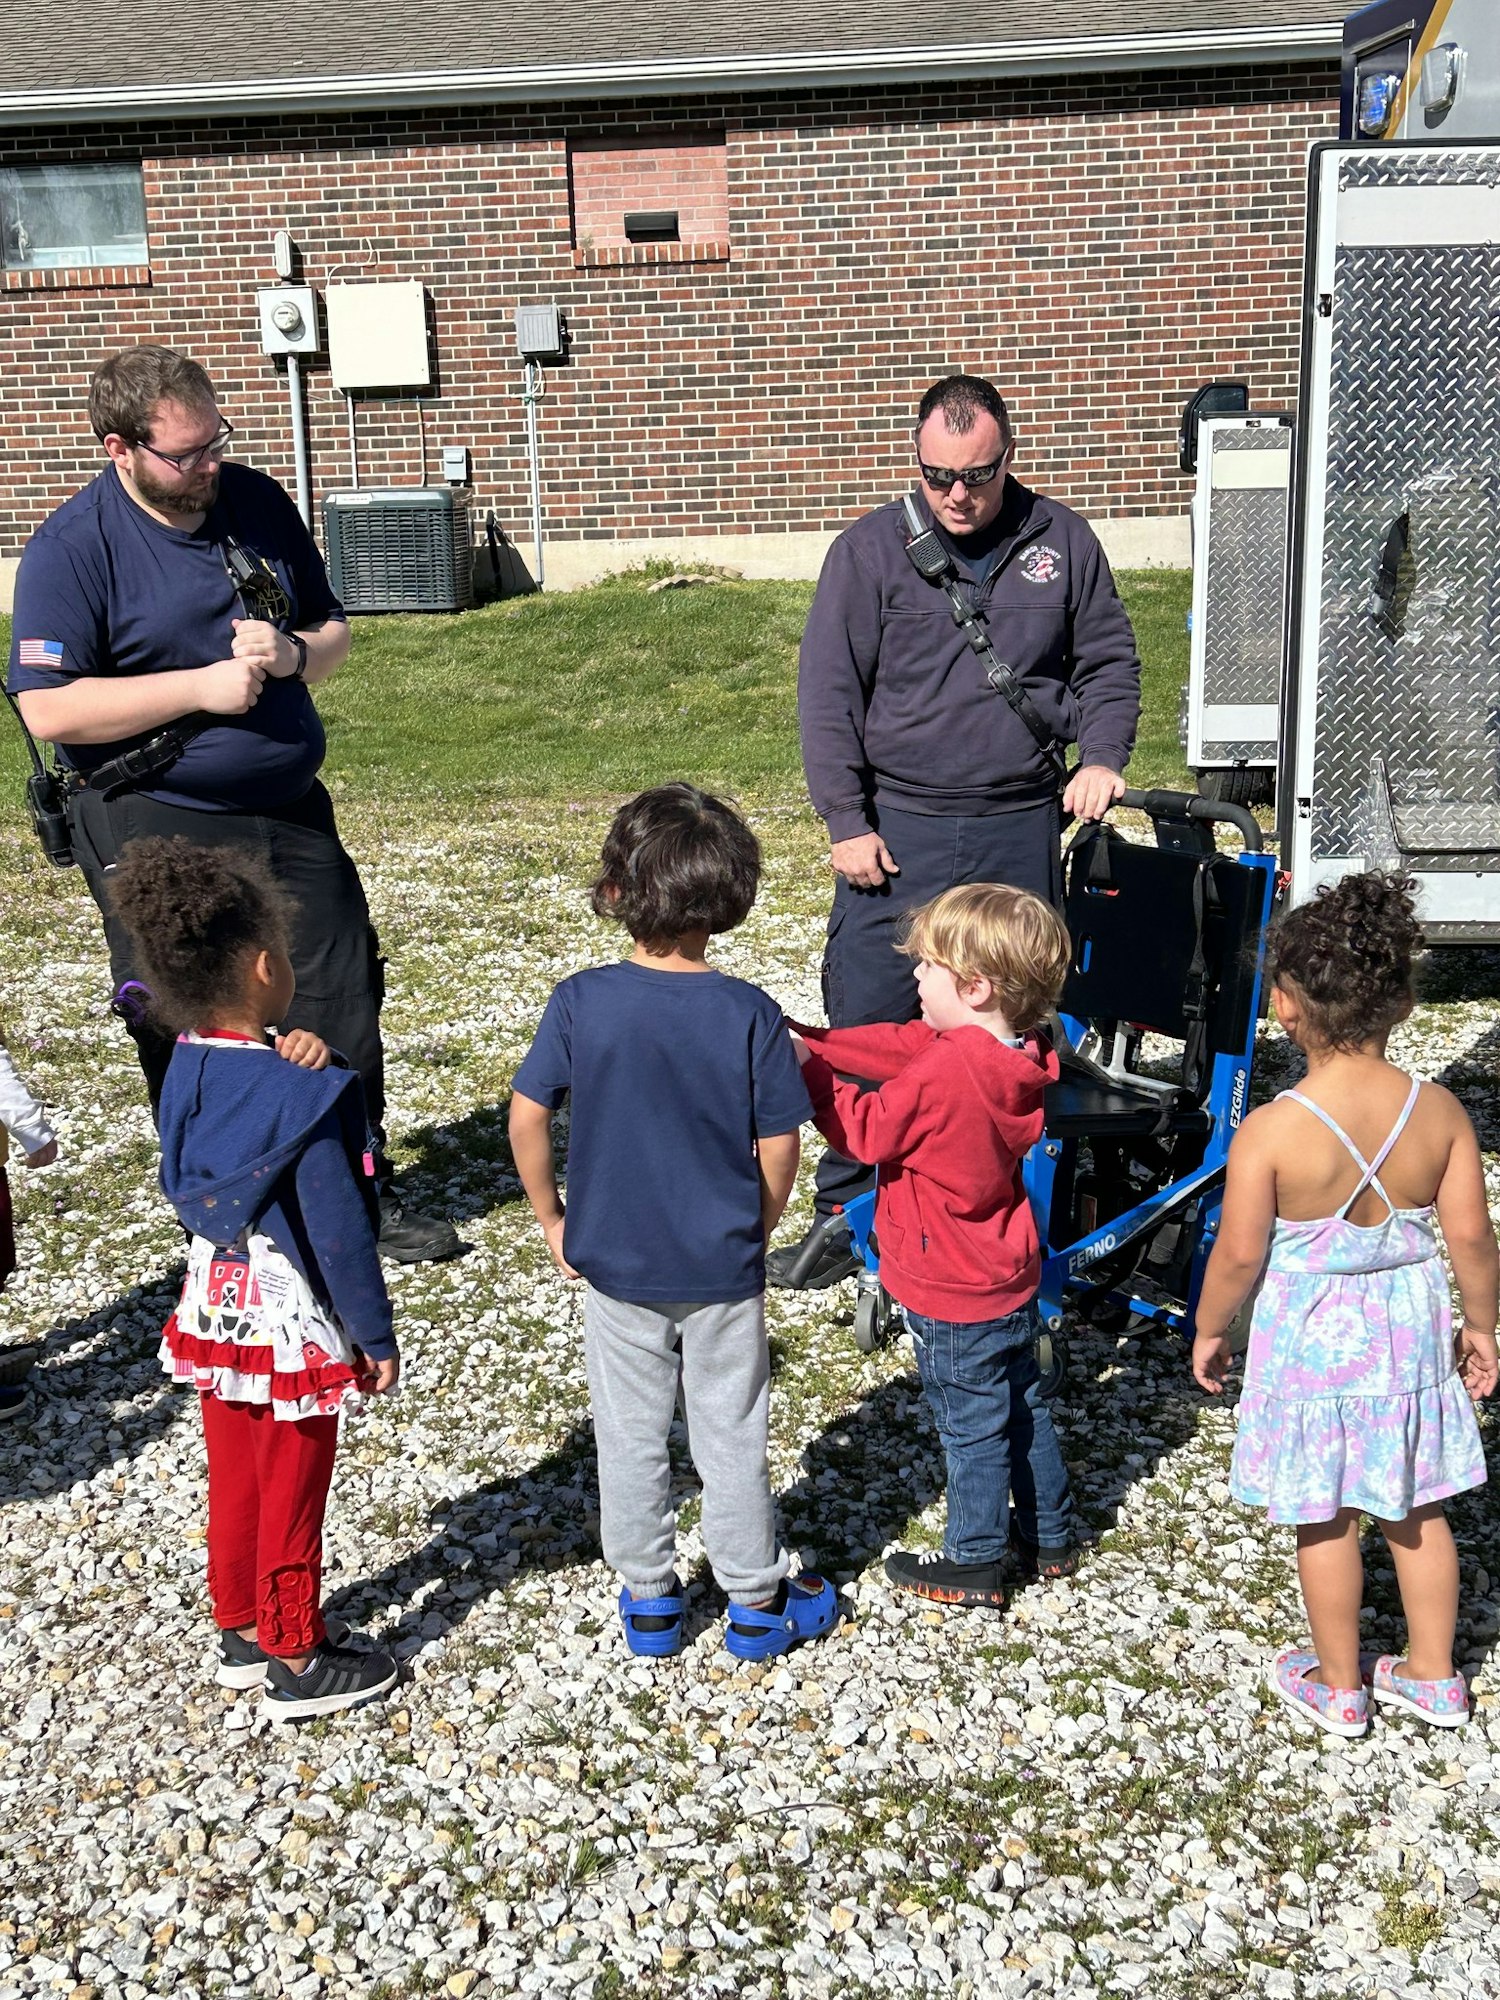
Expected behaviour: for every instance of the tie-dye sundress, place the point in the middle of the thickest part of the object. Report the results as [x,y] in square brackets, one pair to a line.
[1352,1397]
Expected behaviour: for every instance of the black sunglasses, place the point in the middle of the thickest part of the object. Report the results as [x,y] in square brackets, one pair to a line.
[972,475]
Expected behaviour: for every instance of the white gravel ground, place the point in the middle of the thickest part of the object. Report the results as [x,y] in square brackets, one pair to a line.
[1087,1795]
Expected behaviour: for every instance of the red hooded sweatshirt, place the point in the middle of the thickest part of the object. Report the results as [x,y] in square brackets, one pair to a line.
[948,1128]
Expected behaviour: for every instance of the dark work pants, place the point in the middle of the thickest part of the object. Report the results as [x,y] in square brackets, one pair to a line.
[865,978]
[335,952]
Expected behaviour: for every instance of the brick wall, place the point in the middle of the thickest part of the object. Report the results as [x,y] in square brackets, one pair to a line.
[1099,247]
[611,181]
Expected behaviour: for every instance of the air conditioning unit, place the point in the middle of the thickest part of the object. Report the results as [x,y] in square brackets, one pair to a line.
[399,548]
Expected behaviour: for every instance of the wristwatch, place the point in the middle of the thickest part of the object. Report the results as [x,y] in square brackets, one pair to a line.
[299,672]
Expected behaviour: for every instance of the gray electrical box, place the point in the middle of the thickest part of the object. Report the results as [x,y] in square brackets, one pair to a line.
[539,333]
[456,464]
[288,319]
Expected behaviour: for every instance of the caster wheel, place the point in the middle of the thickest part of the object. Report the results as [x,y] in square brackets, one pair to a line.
[1052,1364]
[872,1318]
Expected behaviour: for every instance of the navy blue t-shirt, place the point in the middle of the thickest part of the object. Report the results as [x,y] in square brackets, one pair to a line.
[104,588]
[674,1076]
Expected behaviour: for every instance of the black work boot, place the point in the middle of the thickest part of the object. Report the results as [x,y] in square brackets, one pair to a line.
[409,1237]
[824,1255]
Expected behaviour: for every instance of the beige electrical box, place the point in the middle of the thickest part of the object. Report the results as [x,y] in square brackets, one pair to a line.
[377,335]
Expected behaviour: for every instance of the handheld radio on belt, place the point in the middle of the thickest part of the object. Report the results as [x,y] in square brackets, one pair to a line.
[46,798]
[931,560]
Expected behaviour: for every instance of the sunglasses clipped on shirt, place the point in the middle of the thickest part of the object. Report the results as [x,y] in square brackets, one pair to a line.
[972,475]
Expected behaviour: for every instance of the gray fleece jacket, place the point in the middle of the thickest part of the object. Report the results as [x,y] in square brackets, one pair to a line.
[893,704]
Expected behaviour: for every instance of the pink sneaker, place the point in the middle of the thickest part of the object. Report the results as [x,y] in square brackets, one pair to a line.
[1341,1711]
[1444,1702]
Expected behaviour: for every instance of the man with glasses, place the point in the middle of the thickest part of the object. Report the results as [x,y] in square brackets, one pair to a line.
[923,772]
[169,621]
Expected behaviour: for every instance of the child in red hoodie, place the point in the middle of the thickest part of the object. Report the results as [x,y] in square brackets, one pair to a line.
[958,1103]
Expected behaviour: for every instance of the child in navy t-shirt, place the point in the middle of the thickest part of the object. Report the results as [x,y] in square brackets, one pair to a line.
[686,1102]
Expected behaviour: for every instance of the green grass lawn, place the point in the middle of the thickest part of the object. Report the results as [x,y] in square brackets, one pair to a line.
[594,693]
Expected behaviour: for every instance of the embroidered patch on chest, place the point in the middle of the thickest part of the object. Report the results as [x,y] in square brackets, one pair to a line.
[1041,563]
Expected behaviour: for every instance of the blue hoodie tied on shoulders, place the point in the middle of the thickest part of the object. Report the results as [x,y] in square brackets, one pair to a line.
[249,1141]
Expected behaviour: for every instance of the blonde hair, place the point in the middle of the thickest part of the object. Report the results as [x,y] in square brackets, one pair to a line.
[988,930]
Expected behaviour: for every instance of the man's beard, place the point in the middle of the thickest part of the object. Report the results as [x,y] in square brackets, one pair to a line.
[196,498]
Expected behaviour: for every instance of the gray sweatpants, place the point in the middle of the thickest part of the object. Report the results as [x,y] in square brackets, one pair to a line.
[635,1354]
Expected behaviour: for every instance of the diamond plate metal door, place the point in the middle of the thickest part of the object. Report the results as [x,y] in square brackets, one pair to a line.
[1398,670]
[1235,672]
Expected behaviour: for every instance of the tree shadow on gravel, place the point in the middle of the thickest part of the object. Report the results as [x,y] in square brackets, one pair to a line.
[88,1404]
[462,1170]
[874,1471]
[1117,1419]
[865,1478]
[540,1519]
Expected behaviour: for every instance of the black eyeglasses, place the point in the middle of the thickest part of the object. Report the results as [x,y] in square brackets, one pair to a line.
[189,461]
[972,475]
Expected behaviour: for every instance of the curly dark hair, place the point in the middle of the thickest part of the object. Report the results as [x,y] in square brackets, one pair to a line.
[195,914]
[675,860]
[1349,955]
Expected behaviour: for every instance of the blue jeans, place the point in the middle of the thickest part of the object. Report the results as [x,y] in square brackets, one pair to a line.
[981,1381]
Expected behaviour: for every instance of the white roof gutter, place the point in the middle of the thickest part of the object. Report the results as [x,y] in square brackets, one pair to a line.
[664,77]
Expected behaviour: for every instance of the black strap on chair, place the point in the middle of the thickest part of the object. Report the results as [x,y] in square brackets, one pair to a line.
[1195,996]
[1091,847]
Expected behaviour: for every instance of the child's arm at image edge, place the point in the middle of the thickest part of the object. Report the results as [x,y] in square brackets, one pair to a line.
[1239,1253]
[531,1149]
[1464,1217]
[777,1157]
[23,1117]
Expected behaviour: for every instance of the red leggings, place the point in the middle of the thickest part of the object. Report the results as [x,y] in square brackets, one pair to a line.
[267,1489]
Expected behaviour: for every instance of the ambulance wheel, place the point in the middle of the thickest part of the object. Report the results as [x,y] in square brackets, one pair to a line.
[872,1318]
[1241,785]
[1052,1364]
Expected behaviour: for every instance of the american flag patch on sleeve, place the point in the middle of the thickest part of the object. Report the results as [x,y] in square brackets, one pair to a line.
[44,653]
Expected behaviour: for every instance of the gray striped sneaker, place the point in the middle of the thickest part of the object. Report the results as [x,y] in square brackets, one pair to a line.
[332,1679]
[243,1665]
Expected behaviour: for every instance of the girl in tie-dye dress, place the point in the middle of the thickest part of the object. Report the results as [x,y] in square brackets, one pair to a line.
[1358,1398]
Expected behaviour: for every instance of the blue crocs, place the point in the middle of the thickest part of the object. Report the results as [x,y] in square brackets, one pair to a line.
[805,1607]
[653,1625]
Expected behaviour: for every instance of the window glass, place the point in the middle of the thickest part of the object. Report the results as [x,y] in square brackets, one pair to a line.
[57,217]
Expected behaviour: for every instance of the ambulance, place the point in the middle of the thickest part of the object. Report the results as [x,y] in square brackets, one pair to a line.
[1384,722]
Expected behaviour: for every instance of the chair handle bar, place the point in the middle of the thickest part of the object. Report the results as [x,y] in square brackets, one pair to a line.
[1188,805]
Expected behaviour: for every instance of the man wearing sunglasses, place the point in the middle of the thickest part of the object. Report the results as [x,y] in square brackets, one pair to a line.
[178,607]
[923,772]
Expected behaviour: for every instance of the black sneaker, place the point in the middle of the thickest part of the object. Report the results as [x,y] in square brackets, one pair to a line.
[14,1397]
[823,1257]
[333,1679]
[16,1363]
[243,1665]
[1043,1564]
[409,1237]
[932,1574]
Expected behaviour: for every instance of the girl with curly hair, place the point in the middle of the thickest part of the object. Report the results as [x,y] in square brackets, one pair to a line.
[1354,1398]
[284,1308]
